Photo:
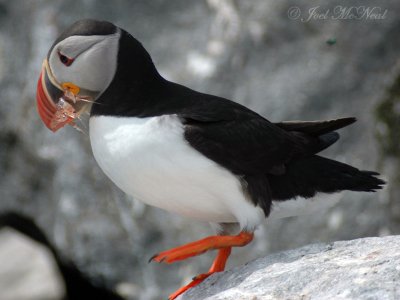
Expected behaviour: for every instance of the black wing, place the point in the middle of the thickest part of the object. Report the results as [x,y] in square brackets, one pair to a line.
[252,147]
[262,154]
[243,141]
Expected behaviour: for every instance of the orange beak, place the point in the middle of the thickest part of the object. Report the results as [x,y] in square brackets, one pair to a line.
[48,94]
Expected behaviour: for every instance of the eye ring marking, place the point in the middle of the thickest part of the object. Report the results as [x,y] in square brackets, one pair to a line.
[65,60]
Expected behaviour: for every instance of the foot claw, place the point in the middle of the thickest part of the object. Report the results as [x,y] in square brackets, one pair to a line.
[152,258]
[202,276]
[159,258]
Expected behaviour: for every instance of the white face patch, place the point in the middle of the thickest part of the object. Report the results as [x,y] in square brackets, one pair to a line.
[95,61]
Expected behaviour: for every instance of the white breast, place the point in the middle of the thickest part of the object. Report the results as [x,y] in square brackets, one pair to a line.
[149,159]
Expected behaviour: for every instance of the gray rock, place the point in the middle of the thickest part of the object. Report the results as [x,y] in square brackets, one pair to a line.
[248,51]
[362,269]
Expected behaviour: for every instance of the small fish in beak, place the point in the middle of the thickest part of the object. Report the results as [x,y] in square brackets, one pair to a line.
[65,113]
[59,104]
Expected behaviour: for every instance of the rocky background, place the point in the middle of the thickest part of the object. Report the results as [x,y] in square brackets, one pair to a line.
[269,55]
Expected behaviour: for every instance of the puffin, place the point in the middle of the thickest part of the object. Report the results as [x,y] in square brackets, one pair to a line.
[201,156]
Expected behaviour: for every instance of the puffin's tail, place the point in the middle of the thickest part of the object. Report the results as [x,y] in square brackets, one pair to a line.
[309,175]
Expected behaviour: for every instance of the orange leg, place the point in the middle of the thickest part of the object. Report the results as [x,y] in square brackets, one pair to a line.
[224,245]
[221,259]
[203,245]
[217,266]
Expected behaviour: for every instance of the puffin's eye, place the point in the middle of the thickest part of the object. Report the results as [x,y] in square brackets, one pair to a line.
[65,59]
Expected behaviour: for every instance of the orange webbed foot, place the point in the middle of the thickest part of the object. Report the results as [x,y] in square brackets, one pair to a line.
[224,245]
[201,246]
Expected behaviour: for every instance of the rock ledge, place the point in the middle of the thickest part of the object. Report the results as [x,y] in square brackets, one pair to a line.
[367,268]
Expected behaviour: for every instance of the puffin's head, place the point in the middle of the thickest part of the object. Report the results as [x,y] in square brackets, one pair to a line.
[79,67]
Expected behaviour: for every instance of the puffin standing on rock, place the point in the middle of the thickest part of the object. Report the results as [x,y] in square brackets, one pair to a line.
[194,154]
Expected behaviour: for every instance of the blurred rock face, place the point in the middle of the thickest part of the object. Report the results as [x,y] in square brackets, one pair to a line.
[257,53]
[29,272]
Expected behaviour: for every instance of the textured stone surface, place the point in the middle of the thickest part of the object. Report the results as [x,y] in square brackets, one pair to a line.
[248,51]
[360,269]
